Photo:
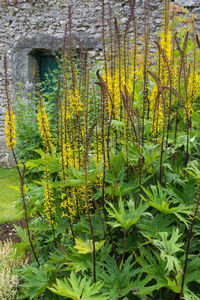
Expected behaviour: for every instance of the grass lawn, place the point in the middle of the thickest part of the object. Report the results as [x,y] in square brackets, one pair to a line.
[8,213]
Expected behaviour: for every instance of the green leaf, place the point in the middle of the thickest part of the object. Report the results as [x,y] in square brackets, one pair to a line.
[22,233]
[145,285]
[194,170]
[117,283]
[159,199]
[78,289]
[154,266]
[85,247]
[169,247]
[166,202]
[35,281]
[123,217]
[77,262]
[39,164]
[150,227]
[192,277]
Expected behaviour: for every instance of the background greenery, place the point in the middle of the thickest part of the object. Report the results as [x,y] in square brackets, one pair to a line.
[8,195]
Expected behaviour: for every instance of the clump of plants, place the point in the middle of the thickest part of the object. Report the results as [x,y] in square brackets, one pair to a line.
[8,278]
[111,202]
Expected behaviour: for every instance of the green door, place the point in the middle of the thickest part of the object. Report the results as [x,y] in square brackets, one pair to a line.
[47,63]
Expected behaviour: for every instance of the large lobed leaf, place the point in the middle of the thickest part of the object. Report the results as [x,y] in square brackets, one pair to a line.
[77,288]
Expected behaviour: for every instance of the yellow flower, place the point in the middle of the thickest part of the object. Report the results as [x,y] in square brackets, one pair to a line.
[74,202]
[43,125]
[156,111]
[68,204]
[159,105]
[75,101]
[166,43]
[192,91]
[10,129]
[49,206]
[115,84]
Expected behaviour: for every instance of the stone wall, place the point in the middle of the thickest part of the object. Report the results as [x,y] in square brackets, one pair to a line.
[39,24]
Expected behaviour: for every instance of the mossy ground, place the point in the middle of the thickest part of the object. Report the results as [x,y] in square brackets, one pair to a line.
[8,195]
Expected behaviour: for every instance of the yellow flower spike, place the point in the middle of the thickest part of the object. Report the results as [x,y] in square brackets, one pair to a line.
[166,43]
[10,129]
[43,125]
[116,83]
[10,126]
[192,91]
[68,205]
[75,101]
[157,110]
[49,208]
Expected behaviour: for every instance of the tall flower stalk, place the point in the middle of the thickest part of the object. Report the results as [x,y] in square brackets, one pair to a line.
[10,126]
[43,122]
[145,73]
[10,132]
[49,206]
[86,161]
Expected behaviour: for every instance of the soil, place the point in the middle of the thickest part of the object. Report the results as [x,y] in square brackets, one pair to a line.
[7,231]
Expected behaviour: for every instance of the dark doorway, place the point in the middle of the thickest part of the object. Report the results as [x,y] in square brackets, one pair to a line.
[47,63]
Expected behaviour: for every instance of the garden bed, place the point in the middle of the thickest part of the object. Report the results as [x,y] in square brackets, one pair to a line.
[7,231]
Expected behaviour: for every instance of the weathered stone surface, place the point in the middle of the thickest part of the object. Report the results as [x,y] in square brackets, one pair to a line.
[188,3]
[26,25]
